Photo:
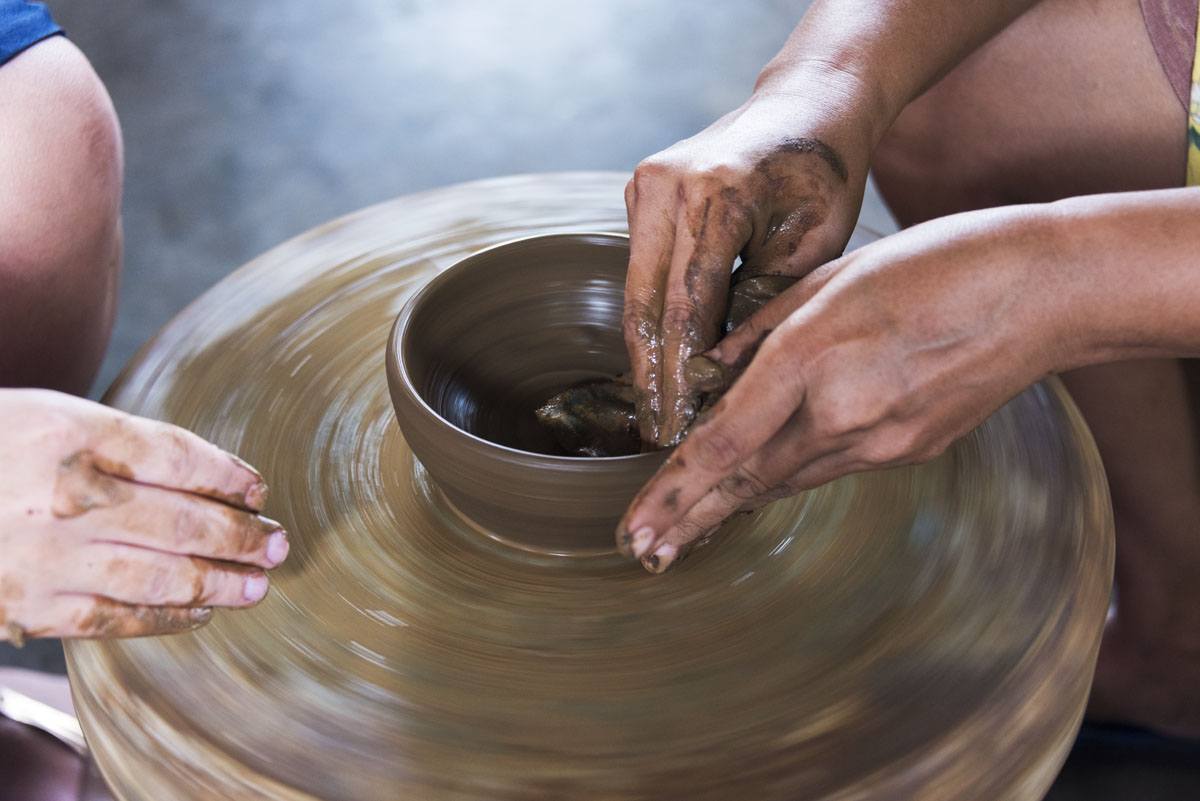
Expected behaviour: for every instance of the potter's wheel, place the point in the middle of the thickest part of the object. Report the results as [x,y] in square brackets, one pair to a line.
[920,633]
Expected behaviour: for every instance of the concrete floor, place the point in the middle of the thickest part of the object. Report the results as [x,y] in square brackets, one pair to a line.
[247,123]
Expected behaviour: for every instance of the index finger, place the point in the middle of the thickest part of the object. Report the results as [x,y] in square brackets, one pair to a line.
[754,410]
[163,455]
[708,236]
[651,239]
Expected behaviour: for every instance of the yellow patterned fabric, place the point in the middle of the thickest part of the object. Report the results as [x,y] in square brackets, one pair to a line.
[1193,163]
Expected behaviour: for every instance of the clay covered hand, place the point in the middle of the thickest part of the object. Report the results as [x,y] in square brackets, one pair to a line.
[599,417]
[115,526]
[880,358]
[778,182]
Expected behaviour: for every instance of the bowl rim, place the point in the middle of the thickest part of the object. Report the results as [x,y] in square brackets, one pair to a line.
[396,343]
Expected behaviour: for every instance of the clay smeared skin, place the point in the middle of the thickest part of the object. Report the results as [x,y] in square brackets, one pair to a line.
[599,418]
[252,496]
[120,526]
[81,485]
[765,209]
[802,144]
[11,591]
[110,619]
[672,499]
[705,375]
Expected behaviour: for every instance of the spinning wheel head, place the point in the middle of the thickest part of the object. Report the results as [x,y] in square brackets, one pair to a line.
[922,632]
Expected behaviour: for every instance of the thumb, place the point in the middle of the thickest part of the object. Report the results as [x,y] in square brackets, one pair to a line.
[716,369]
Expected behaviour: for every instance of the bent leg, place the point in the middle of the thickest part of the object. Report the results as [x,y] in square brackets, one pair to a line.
[1143,417]
[1071,100]
[60,236]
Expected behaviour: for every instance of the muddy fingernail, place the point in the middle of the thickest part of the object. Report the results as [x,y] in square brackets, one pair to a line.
[255,588]
[256,496]
[200,615]
[661,559]
[278,547]
[643,538]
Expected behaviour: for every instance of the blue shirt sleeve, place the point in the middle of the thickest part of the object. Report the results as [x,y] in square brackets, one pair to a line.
[22,25]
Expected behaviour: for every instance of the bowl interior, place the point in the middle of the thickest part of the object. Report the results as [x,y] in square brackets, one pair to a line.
[494,336]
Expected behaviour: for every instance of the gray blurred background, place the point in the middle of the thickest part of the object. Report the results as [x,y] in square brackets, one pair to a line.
[246,123]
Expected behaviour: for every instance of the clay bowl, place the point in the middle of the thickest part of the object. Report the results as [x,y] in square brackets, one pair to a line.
[482,345]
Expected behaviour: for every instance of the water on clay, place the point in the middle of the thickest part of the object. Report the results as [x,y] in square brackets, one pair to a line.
[915,633]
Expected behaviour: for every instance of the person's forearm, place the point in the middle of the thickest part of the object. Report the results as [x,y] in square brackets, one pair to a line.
[882,54]
[1055,286]
[1129,267]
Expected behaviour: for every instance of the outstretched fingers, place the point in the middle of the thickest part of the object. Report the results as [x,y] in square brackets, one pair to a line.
[163,455]
[135,575]
[187,525]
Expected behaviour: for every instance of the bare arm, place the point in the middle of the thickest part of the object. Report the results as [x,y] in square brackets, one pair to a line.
[777,181]
[1131,273]
[60,207]
[890,51]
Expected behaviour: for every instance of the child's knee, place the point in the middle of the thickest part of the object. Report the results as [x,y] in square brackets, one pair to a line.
[60,196]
